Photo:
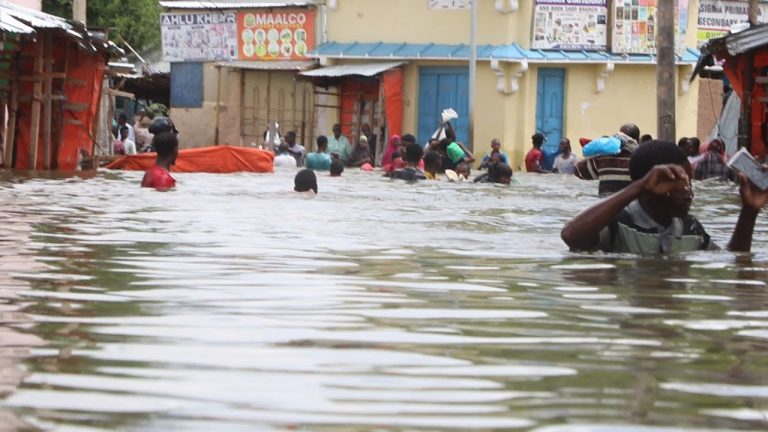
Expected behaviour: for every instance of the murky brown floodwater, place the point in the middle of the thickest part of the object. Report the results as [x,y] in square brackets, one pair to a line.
[231,304]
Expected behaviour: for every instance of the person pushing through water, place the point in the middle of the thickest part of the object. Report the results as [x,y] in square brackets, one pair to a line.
[166,144]
[650,215]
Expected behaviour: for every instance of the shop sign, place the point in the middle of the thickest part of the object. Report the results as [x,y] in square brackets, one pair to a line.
[717,16]
[202,36]
[634,26]
[286,34]
[570,25]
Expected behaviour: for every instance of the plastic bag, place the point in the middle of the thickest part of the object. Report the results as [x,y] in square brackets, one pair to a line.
[602,146]
[449,114]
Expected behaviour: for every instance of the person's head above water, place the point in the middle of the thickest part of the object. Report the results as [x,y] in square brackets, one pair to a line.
[290,138]
[537,139]
[162,124]
[495,145]
[500,173]
[124,132]
[651,154]
[432,162]
[166,144]
[337,167]
[408,139]
[463,169]
[322,144]
[631,130]
[337,130]
[413,153]
[305,181]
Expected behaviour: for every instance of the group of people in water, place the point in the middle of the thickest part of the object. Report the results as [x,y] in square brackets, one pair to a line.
[647,183]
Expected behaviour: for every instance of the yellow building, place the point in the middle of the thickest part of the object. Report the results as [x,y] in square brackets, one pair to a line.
[566,68]
[574,88]
[233,69]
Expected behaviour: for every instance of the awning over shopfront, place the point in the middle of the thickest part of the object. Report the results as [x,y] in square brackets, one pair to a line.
[388,51]
[295,66]
[361,70]
[511,52]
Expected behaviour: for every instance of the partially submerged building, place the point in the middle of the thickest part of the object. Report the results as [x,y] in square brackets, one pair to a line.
[234,67]
[566,68]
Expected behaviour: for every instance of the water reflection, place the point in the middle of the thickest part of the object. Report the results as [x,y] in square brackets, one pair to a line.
[229,303]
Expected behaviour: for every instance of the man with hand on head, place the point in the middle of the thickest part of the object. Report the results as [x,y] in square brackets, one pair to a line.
[650,215]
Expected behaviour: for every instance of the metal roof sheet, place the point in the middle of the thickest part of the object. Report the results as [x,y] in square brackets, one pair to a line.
[216,5]
[12,25]
[281,65]
[31,17]
[510,52]
[383,50]
[365,69]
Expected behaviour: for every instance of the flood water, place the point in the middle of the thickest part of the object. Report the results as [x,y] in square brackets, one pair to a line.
[232,304]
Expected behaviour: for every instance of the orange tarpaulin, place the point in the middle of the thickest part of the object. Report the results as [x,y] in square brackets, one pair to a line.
[217,160]
[393,100]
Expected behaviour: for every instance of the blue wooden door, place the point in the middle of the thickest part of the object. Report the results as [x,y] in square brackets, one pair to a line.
[549,111]
[441,88]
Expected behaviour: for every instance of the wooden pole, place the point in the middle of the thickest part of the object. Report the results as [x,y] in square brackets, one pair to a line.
[472,75]
[752,12]
[13,108]
[218,105]
[37,88]
[79,10]
[665,70]
[47,104]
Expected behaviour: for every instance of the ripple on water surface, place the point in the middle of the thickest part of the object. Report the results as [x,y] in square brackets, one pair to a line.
[230,304]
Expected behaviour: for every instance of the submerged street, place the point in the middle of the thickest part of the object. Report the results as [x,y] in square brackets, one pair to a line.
[377,304]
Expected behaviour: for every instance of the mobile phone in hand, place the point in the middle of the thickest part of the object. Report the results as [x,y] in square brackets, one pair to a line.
[742,161]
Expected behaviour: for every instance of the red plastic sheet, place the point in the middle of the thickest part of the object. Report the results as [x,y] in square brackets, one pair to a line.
[83,87]
[217,160]
[734,70]
[71,128]
[393,100]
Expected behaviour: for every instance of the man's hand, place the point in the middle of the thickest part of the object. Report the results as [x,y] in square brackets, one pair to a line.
[663,179]
[751,196]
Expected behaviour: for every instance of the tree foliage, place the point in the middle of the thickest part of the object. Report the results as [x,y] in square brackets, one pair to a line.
[137,21]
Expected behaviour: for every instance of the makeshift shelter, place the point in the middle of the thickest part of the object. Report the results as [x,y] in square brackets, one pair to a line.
[745,64]
[51,95]
[366,93]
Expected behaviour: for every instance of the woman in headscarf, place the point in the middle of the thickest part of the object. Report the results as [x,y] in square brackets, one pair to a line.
[394,145]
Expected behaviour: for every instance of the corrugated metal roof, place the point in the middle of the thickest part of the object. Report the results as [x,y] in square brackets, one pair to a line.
[511,52]
[12,25]
[747,40]
[31,17]
[381,50]
[183,4]
[21,20]
[270,65]
[365,69]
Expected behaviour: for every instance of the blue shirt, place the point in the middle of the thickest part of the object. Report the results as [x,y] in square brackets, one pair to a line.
[502,157]
[319,161]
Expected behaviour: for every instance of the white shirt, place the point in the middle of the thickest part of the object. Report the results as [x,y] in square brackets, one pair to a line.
[566,166]
[131,133]
[130,146]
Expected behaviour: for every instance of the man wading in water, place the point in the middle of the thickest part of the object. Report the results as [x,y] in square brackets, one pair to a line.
[166,144]
[650,215]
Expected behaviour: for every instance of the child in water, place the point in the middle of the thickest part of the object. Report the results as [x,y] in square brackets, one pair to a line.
[337,167]
[650,216]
